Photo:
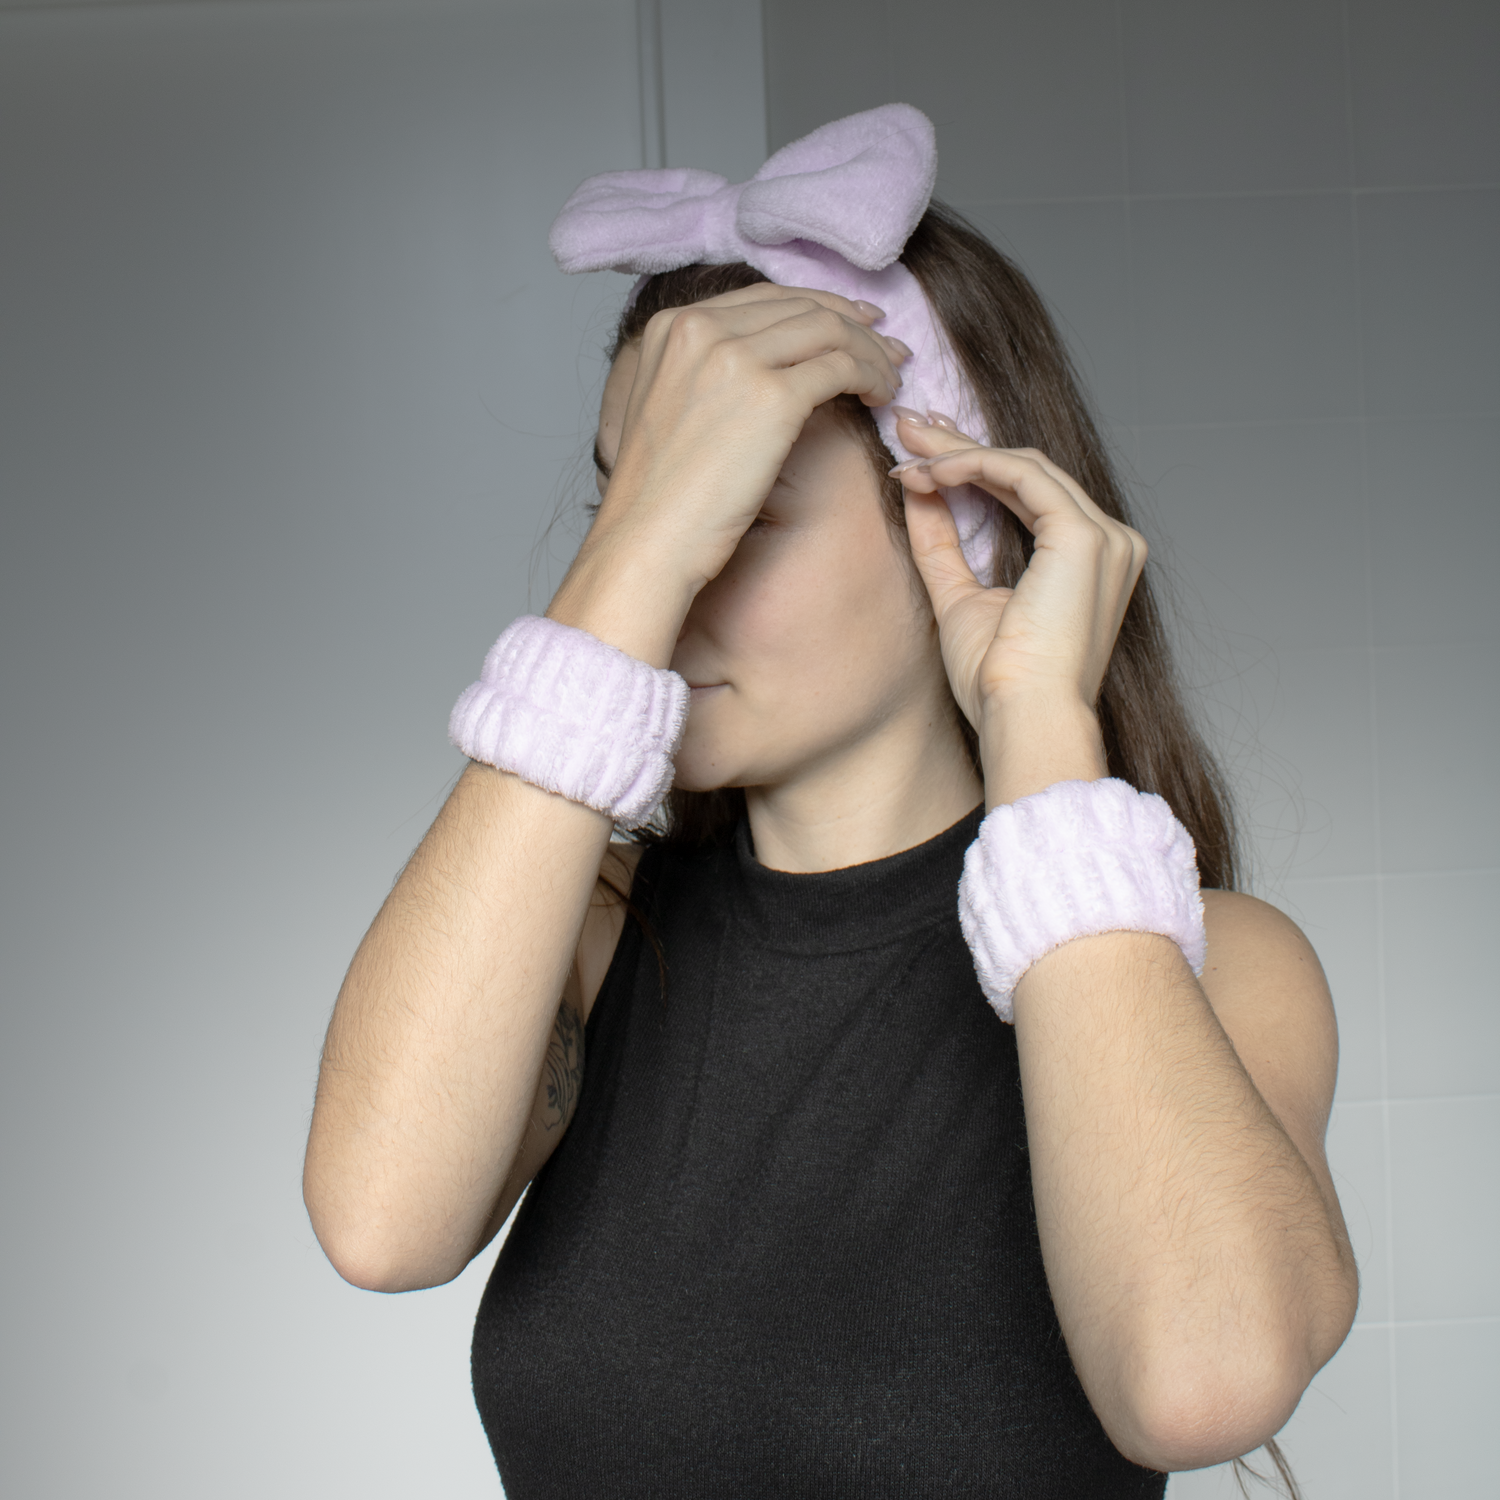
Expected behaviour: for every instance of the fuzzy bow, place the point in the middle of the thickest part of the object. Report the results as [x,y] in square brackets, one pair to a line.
[831,211]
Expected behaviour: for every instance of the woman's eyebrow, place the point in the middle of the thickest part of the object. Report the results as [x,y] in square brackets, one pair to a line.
[605,469]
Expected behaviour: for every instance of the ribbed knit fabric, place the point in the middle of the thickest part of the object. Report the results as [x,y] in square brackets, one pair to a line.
[566,712]
[1080,858]
[787,1246]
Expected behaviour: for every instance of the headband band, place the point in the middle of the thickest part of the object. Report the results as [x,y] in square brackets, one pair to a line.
[833,212]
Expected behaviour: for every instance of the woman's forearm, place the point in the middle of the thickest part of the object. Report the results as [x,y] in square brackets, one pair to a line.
[1199,1272]
[436,1042]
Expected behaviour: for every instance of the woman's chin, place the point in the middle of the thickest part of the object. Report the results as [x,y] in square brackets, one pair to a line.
[704,765]
[726,746]
[700,779]
[707,758]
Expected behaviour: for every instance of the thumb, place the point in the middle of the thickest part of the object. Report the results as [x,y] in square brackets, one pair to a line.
[933,535]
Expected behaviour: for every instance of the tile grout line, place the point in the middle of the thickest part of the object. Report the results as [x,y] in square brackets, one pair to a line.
[1381,1007]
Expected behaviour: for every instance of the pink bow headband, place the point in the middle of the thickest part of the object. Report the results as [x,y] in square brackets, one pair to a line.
[831,212]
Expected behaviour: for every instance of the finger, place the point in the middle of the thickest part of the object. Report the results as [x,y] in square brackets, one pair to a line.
[813,317]
[933,535]
[927,440]
[776,333]
[1066,480]
[770,291]
[1019,483]
[935,435]
[931,434]
[838,372]
[1024,480]
[738,319]
[965,462]
[1122,539]
[805,336]
[930,438]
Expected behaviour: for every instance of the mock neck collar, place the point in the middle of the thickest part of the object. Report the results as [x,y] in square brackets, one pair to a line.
[858,906]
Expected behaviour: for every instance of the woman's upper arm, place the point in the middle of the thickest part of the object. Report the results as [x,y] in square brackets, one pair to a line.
[562,1067]
[1270,995]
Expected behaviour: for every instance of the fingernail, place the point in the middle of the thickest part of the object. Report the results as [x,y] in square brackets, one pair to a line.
[941,419]
[909,465]
[905,348]
[870,310]
[911,416]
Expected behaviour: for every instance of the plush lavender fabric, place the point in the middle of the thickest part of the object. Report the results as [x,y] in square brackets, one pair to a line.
[831,211]
[566,712]
[1080,858]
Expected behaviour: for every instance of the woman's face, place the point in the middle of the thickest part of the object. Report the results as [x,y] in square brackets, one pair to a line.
[812,641]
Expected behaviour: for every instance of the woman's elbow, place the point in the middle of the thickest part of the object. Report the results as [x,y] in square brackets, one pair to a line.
[373,1267]
[1185,1419]
[1187,1409]
[373,1259]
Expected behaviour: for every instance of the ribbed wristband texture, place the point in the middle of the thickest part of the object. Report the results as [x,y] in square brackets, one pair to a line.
[566,712]
[1080,858]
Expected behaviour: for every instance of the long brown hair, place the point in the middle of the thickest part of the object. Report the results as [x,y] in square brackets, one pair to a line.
[1025,385]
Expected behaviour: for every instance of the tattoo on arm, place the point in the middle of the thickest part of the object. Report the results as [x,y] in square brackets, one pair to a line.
[563,1070]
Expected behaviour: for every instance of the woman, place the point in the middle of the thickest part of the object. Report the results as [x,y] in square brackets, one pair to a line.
[815,1219]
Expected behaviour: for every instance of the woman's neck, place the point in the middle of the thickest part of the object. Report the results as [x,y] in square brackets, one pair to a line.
[891,790]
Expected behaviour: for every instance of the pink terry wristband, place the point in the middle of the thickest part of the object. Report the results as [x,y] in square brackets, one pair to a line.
[562,710]
[1080,858]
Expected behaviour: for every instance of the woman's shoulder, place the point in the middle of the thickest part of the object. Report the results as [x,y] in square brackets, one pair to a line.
[1256,953]
[1269,992]
[1243,926]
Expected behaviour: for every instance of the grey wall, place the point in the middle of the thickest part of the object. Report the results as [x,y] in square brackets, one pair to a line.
[1270,229]
[290,390]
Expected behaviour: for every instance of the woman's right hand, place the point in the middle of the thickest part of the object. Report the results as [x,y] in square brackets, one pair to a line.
[703,413]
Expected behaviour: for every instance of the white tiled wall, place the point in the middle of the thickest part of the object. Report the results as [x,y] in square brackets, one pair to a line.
[1272,231]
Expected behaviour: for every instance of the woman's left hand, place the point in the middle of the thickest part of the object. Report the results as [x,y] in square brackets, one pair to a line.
[1048,640]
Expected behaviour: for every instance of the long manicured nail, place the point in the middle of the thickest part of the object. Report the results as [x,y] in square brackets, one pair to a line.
[904,347]
[869,310]
[907,414]
[941,419]
[909,466]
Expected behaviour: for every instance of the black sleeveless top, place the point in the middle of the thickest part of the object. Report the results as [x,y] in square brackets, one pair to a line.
[787,1246]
